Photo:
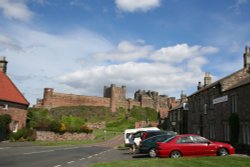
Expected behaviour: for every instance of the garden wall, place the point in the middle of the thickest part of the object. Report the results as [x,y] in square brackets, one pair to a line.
[51,136]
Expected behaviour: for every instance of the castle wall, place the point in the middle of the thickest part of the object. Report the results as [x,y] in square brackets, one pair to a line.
[52,99]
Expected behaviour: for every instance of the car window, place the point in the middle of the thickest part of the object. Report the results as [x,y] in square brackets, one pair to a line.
[199,139]
[185,139]
[169,139]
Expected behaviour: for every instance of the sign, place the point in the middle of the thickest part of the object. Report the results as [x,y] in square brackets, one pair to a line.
[220,99]
[173,123]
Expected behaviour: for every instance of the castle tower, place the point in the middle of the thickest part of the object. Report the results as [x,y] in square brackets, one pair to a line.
[47,97]
[3,64]
[246,57]
[207,79]
[113,98]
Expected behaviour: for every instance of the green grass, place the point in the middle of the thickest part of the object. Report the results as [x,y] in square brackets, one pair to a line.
[182,162]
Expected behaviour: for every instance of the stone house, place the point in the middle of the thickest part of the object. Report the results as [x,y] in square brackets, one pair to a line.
[12,101]
[178,116]
[212,105]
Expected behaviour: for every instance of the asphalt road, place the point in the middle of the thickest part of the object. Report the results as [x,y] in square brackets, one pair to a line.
[28,155]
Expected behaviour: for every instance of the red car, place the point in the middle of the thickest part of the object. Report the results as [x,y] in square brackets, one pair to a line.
[192,145]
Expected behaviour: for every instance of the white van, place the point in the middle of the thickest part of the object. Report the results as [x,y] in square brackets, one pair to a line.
[127,132]
[137,140]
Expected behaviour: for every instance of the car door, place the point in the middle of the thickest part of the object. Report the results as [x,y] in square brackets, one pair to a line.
[201,144]
[186,145]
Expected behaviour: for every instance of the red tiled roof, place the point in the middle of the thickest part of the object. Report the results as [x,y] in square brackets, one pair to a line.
[9,92]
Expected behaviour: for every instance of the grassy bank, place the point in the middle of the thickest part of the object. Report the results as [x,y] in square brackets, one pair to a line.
[229,161]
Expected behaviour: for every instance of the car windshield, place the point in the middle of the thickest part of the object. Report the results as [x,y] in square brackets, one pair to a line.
[169,139]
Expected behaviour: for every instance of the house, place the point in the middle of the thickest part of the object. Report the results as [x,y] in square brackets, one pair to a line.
[221,110]
[178,116]
[12,101]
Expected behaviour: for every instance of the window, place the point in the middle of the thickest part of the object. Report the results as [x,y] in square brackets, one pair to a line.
[211,104]
[15,126]
[211,131]
[186,139]
[205,108]
[199,139]
[226,131]
[245,133]
[179,114]
[234,104]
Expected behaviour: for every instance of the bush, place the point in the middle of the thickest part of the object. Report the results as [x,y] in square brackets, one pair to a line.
[55,126]
[85,129]
[4,126]
[21,133]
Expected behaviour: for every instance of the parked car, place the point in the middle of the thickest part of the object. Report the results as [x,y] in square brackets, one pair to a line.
[127,132]
[192,145]
[148,145]
[142,135]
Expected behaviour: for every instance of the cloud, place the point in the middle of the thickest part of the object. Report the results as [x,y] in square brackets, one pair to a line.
[126,51]
[138,5]
[165,74]
[82,62]
[237,5]
[14,9]
[7,42]
[45,54]
[180,52]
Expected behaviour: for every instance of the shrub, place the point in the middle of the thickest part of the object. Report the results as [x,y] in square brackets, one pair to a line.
[55,126]
[21,133]
[85,129]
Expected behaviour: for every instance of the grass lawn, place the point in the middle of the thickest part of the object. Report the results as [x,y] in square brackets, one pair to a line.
[228,161]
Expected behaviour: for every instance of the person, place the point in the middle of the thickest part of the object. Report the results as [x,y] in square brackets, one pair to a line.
[131,143]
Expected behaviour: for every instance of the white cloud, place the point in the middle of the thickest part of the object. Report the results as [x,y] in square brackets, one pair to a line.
[82,62]
[153,74]
[138,5]
[180,52]
[126,51]
[15,9]
[45,56]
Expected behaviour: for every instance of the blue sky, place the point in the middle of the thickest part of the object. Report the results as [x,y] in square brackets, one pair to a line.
[79,46]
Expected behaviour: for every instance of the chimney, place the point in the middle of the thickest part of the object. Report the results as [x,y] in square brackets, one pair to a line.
[207,79]
[246,57]
[3,64]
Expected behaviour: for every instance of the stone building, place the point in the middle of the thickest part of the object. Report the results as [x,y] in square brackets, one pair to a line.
[113,97]
[212,105]
[178,116]
[12,101]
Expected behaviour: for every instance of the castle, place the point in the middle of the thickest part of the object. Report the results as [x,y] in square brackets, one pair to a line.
[113,97]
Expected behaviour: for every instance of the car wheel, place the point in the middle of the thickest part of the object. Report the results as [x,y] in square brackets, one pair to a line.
[175,154]
[223,152]
[152,153]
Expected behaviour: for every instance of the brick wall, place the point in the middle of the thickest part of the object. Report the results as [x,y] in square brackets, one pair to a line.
[18,116]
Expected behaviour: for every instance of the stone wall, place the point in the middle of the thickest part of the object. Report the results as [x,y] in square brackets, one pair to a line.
[51,136]
[52,99]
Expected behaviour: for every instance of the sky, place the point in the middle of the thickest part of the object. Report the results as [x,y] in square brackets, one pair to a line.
[80,46]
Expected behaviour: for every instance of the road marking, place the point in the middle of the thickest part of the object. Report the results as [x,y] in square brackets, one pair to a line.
[71,148]
[70,162]
[82,159]
[90,157]
[38,152]
[57,166]
[1,148]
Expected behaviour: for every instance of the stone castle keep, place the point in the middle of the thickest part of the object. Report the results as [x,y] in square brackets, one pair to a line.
[113,97]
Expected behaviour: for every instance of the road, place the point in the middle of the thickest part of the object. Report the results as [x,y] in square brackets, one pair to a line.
[21,155]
